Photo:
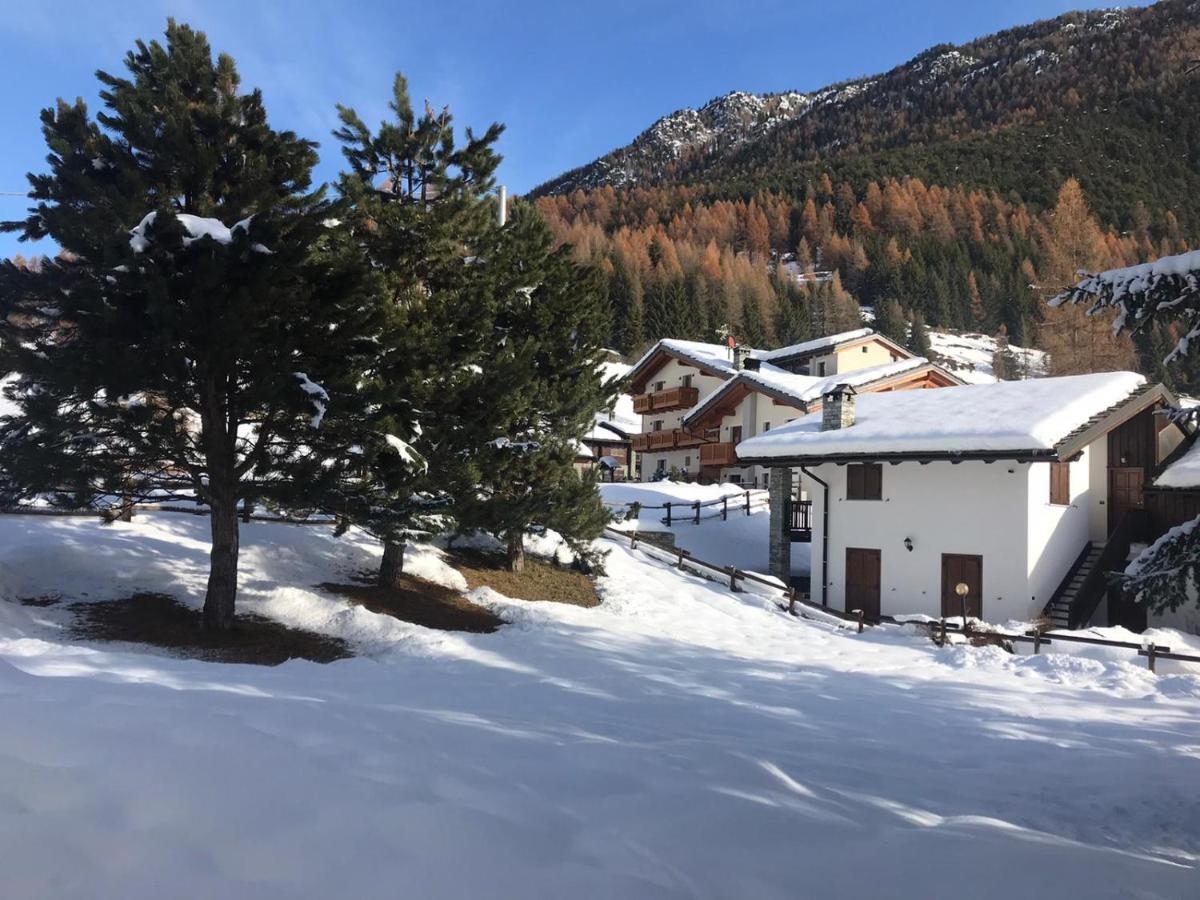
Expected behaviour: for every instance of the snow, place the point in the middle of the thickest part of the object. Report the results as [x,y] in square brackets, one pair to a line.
[813,346]
[970,355]
[740,540]
[316,394]
[197,227]
[621,415]
[676,741]
[1184,472]
[1005,416]
[7,406]
[406,452]
[717,357]
[804,389]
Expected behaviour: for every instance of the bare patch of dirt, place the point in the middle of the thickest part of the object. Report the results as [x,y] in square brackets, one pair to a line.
[541,581]
[161,621]
[422,603]
[48,600]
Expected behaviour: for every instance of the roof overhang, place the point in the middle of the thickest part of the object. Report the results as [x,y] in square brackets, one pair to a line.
[648,365]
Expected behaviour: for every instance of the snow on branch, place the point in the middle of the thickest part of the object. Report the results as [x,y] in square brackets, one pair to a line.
[197,227]
[503,443]
[1167,573]
[318,396]
[1163,291]
[407,453]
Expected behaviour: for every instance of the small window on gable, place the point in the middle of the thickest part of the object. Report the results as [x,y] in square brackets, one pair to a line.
[656,425]
[821,368]
[864,349]
[766,427]
[1060,484]
[659,385]
[687,381]
[864,481]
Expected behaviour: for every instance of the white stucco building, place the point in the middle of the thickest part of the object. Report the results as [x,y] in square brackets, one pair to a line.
[1020,490]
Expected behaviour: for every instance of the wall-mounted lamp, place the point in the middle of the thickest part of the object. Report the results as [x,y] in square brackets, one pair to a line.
[908,544]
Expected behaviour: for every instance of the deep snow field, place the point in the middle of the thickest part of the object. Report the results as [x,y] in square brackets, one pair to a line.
[676,741]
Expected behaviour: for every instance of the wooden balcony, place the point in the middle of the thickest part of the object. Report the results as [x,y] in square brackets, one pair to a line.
[667,400]
[716,455]
[676,438]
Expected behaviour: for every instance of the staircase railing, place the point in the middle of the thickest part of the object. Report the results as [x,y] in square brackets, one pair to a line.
[1071,573]
[1095,587]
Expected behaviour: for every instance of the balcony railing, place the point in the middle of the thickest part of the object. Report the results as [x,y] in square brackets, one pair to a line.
[665,440]
[721,454]
[666,400]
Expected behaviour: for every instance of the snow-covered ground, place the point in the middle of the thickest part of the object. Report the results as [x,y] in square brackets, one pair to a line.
[676,741]
[974,354]
[740,540]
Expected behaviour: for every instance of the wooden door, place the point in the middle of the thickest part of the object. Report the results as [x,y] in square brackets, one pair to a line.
[1124,493]
[958,568]
[862,581]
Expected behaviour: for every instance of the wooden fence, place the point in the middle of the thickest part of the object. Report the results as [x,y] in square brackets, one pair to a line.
[939,629]
[683,511]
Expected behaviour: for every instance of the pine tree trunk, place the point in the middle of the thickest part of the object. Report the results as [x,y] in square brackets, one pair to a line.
[223,563]
[392,566]
[516,551]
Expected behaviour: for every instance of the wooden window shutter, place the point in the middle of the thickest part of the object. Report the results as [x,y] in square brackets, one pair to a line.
[1060,484]
[864,481]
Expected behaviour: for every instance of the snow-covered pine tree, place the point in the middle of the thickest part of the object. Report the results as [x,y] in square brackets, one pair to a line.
[537,392]
[1165,292]
[418,210]
[181,343]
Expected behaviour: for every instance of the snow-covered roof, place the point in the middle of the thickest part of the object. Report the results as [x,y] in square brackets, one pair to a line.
[1009,416]
[804,389]
[816,345]
[711,356]
[1184,472]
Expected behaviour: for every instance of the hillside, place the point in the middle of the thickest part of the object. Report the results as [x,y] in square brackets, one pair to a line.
[1112,82]
[969,184]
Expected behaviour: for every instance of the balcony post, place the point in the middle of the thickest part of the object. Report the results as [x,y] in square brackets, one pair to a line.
[779,493]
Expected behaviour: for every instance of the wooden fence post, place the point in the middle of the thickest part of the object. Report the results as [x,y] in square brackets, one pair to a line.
[681,552]
[697,506]
[1150,655]
[668,506]
[1037,641]
[633,540]
[792,601]
[724,508]
[747,503]
[734,575]
[860,620]
[943,643]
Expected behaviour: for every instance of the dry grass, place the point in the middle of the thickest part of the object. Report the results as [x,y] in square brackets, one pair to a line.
[541,581]
[161,621]
[422,603]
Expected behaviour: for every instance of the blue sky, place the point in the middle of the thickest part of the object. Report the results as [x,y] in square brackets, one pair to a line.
[571,80]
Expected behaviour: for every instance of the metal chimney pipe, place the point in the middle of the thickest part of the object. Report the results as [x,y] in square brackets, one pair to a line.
[502,210]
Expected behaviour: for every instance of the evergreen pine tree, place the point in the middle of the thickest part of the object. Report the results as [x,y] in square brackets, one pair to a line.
[419,212]
[537,393]
[186,340]
[918,336]
[890,321]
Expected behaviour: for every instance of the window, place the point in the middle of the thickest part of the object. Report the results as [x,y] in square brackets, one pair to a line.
[864,348]
[864,481]
[662,466]
[766,427]
[659,386]
[656,425]
[734,478]
[1060,484]
[735,434]
[821,368]
[687,462]
[686,381]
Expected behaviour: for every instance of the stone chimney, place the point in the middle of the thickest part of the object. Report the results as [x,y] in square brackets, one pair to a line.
[740,355]
[837,408]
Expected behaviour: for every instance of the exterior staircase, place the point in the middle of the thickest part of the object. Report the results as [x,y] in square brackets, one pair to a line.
[1058,610]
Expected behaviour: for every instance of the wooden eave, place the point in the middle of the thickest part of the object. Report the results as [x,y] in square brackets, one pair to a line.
[650,366]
